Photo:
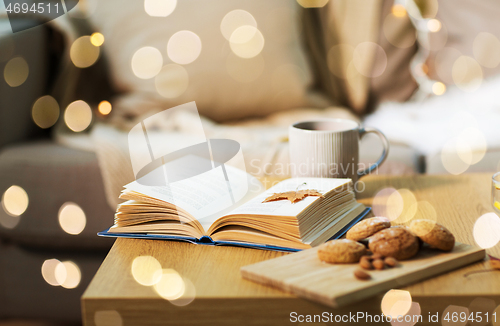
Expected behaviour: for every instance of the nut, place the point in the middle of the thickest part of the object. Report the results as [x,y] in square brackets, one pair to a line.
[378,264]
[361,274]
[365,263]
[391,261]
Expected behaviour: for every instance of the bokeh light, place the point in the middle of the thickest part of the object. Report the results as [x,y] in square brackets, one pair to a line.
[15,201]
[363,65]
[486,230]
[411,317]
[68,274]
[383,207]
[409,205]
[396,303]
[188,296]
[467,73]
[184,47]
[451,157]
[83,53]
[104,108]
[246,41]
[172,81]
[443,63]
[171,286]
[78,116]
[108,318]
[97,39]
[146,270]
[434,25]
[482,307]
[436,40]
[159,8]
[472,145]
[458,311]
[72,218]
[425,211]
[397,30]
[49,271]
[235,19]
[438,88]
[338,58]
[45,111]
[244,70]
[147,62]
[312,3]
[398,10]
[16,72]
[486,49]
[421,69]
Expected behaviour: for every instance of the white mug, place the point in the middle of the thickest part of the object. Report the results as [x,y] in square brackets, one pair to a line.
[329,148]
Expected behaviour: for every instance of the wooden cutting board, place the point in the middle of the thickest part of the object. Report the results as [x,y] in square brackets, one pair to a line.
[304,275]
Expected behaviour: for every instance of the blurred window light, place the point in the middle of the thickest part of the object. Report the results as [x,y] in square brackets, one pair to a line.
[78,116]
[16,72]
[83,52]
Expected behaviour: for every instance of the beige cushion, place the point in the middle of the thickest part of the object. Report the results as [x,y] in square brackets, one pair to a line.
[223,85]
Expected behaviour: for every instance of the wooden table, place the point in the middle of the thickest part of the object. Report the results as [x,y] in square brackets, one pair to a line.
[224,298]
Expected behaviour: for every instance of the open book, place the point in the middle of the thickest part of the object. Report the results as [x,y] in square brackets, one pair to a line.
[225,207]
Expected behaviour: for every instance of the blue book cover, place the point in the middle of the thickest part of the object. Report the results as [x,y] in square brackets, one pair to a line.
[206,240]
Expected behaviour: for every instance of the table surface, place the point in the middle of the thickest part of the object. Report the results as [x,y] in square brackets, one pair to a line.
[222,295]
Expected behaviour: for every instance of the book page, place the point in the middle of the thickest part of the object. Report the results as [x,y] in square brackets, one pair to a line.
[206,196]
[284,207]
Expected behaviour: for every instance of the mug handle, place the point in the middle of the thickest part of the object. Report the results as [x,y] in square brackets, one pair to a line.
[385,143]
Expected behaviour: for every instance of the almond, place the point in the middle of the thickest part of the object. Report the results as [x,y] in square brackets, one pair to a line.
[361,274]
[365,263]
[391,261]
[378,264]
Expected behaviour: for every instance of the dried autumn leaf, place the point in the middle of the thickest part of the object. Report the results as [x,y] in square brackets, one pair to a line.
[293,196]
